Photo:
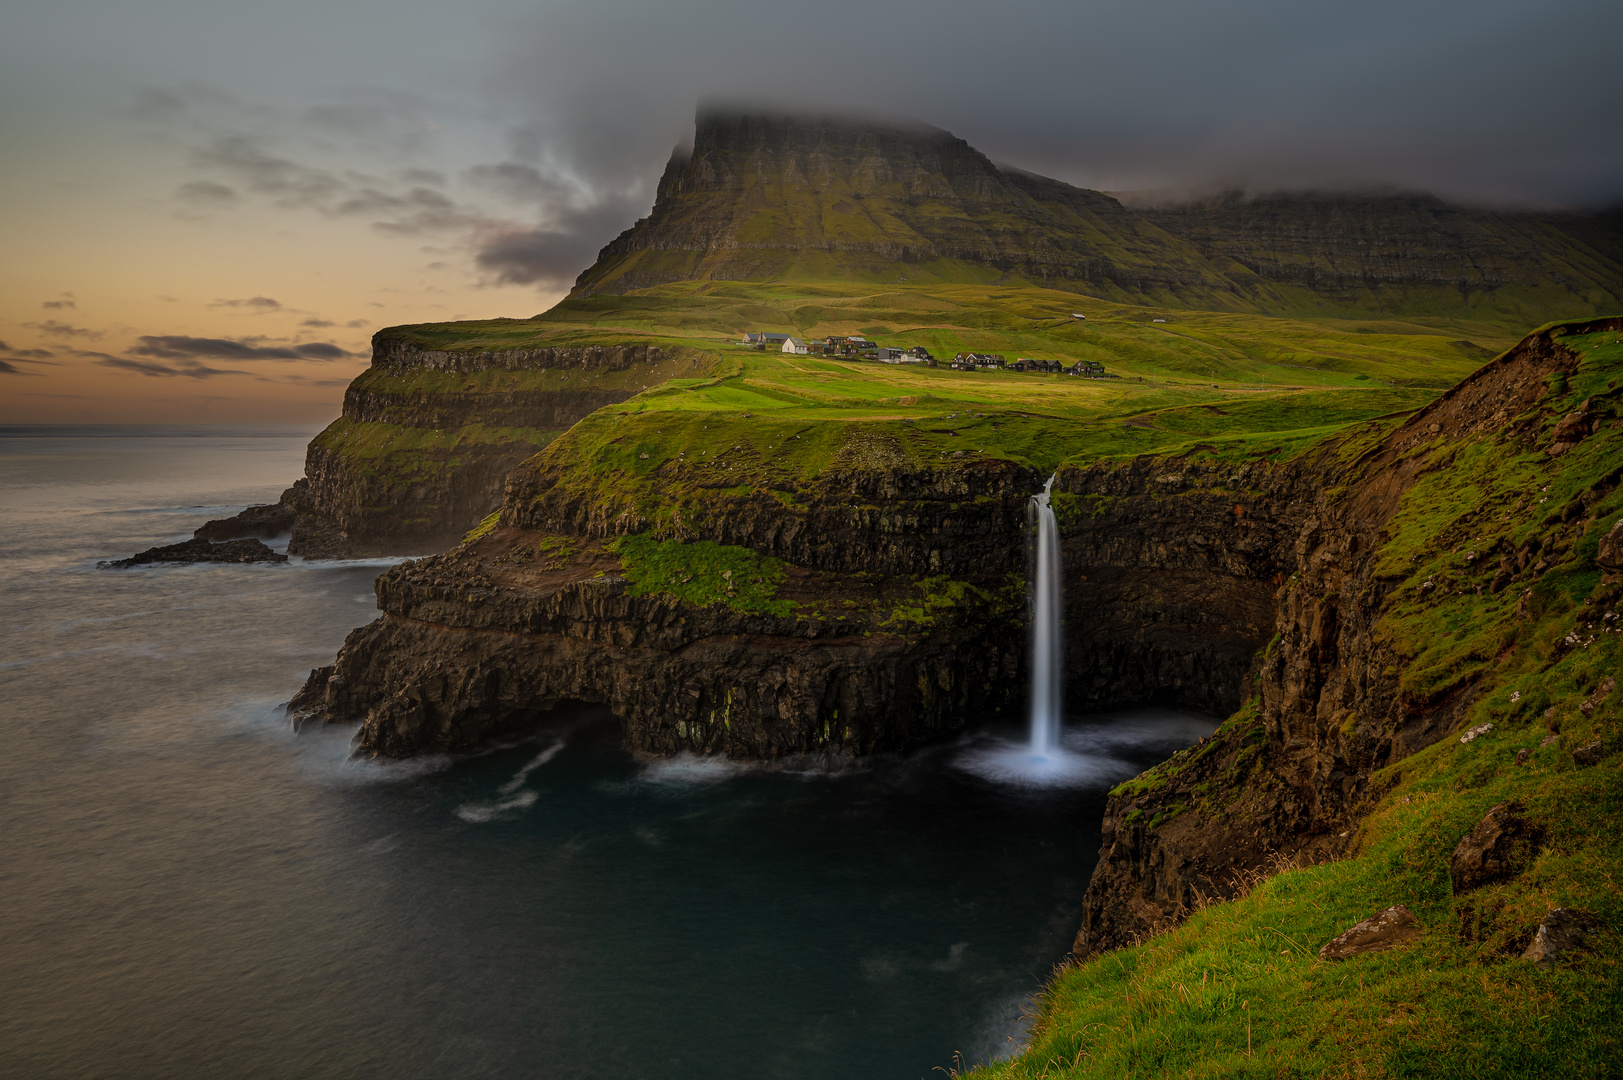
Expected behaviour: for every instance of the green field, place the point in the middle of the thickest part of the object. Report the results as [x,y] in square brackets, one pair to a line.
[1228,383]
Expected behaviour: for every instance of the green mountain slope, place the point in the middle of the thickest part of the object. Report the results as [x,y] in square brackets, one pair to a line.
[803,198]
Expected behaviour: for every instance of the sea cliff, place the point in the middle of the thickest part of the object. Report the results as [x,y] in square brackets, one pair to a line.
[428,435]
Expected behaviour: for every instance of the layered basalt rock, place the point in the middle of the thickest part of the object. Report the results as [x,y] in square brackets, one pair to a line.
[961,521]
[1348,246]
[478,640]
[427,438]
[1286,779]
[1171,570]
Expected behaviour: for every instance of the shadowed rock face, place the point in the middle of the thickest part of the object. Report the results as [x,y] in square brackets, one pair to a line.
[821,197]
[1497,849]
[1329,707]
[480,640]
[1338,245]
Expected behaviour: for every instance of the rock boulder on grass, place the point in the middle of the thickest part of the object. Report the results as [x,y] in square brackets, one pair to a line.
[1563,930]
[1497,849]
[1394,926]
[1610,555]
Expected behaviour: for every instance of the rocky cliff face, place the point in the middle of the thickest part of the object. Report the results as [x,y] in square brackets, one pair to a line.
[1342,246]
[1354,678]
[495,633]
[428,436]
[764,196]
[1180,574]
[1171,570]
[965,521]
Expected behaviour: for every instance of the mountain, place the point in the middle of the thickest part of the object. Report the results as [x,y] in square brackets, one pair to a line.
[763,197]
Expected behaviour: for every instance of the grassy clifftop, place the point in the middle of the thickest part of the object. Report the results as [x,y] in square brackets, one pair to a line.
[1497,591]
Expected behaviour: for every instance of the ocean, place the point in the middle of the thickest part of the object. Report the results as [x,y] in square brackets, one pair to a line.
[189,888]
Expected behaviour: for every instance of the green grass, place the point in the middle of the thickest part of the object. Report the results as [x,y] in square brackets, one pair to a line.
[703,573]
[1237,990]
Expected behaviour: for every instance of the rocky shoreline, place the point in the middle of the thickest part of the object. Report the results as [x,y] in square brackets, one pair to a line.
[200,550]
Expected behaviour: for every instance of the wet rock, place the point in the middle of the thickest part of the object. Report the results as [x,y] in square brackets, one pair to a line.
[201,551]
[1563,930]
[265,519]
[1589,755]
[1394,926]
[1500,845]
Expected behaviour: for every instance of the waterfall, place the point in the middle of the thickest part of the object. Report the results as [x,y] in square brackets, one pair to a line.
[1045,626]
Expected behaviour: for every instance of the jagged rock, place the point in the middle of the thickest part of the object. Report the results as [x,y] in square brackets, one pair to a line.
[1394,926]
[1610,555]
[264,519]
[1592,702]
[1475,733]
[1497,849]
[1571,430]
[202,551]
[1589,755]
[1563,930]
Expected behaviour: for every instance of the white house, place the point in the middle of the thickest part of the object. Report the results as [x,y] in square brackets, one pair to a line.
[795,345]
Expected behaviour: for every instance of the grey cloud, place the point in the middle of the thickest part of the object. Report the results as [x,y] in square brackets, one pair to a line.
[190,369]
[417,211]
[182,347]
[59,305]
[256,303]
[355,324]
[424,176]
[1113,94]
[535,256]
[64,330]
[206,193]
[317,323]
[519,183]
[553,254]
[8,369]
[286,182]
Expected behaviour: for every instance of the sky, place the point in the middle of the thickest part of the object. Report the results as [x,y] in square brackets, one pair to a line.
[210,205]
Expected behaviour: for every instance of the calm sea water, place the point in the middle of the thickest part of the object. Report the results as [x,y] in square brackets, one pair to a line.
[189,889]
